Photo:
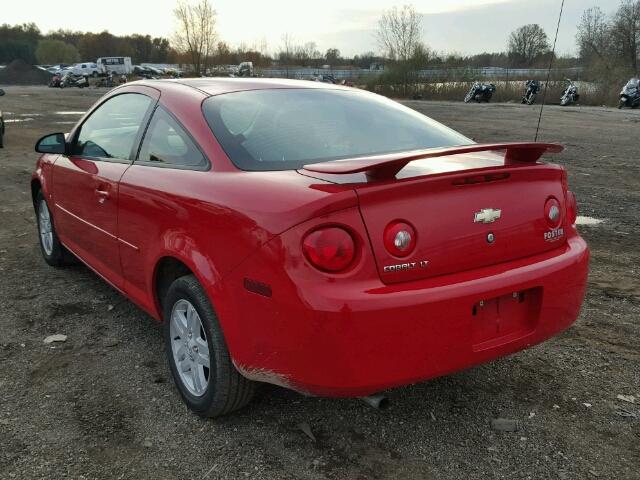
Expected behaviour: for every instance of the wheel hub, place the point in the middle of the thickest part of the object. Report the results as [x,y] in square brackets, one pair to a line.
[189,347]
[45,228]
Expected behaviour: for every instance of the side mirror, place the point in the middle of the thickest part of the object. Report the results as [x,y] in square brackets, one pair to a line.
[54,143]
[1,92]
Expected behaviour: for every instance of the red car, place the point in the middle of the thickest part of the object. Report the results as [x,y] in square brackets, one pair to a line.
[310,235]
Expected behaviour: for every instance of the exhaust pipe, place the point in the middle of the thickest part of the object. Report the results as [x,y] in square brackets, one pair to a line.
[379,402]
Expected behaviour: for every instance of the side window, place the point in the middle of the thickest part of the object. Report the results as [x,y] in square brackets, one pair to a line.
[167,143]
[112,129]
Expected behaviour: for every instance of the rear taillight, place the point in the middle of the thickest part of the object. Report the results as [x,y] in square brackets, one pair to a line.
[572,208]
[399,238]
[552,212]
[570,198]
[331,249]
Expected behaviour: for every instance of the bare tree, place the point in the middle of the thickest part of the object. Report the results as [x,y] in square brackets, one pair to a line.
[399,33]
[311,51]
[196,34]
[305,54]
[332,56]
[287,49]
[625,33]
[527,43]
[593,34]
[261,45]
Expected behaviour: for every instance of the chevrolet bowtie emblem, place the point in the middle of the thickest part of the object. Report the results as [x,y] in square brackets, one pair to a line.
[487,215]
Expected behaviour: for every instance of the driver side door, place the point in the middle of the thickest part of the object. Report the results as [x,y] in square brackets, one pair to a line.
[85,183]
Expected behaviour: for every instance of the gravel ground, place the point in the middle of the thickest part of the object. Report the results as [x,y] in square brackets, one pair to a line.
[102,404]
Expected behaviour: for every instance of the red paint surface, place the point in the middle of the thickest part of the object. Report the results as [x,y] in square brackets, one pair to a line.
[349,333]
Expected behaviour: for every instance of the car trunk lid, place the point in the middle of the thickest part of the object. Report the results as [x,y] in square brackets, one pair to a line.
[463,218]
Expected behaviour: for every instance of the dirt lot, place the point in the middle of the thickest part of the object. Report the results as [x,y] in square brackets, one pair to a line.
[102,405]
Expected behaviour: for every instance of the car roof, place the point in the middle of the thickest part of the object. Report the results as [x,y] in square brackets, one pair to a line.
[219,85]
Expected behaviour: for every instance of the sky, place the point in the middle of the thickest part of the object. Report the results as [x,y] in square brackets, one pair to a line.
[462,26]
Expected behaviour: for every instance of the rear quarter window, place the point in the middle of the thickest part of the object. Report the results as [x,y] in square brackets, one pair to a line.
[166,143]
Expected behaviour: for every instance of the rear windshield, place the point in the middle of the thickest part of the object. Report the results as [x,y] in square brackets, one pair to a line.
[283,129]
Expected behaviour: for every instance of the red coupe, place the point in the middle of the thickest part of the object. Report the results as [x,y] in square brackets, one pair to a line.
[310,235]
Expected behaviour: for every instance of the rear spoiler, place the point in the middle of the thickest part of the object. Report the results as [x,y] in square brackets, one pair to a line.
[384,167]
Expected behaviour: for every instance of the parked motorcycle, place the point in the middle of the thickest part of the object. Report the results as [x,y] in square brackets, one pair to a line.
[55,81]
[324,78]
[108,81]
[532,87]
[630,94]
[480,92]
[70,80]
[570,94]
[1,124]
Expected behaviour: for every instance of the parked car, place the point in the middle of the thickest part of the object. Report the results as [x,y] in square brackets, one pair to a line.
[1,123]
[301,234]
[87,69]
[139,70]
[57,68]
[153,70]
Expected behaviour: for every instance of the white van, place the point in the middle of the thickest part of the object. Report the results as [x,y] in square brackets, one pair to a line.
[119,65]
[85,69]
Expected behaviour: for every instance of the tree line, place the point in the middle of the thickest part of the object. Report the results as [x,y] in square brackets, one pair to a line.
[608,45]
[28,43]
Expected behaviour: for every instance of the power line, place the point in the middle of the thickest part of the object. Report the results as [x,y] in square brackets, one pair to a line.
[546,85]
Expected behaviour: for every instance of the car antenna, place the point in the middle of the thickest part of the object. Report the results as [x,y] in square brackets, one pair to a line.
[546,85]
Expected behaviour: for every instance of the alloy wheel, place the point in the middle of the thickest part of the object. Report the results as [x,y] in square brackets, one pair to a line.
[46,231]
[189,347]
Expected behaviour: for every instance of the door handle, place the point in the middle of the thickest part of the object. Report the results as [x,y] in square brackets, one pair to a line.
[103,194]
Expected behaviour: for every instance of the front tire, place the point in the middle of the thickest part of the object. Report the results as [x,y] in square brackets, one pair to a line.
[52,250]
[197,352]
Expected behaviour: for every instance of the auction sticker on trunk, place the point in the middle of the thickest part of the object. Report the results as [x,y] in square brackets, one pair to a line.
[553,235]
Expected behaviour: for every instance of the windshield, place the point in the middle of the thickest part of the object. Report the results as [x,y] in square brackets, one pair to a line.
[283,129]
[633,83]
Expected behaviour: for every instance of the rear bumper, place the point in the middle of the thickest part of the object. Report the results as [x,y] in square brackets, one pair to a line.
[339,340]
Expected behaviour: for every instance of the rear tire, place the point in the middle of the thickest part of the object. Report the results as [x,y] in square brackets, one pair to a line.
[197,352]
[52,250]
